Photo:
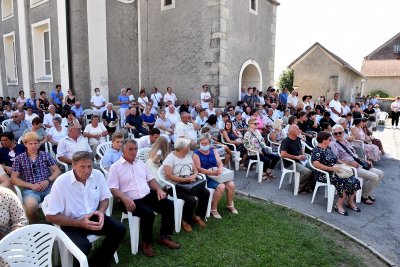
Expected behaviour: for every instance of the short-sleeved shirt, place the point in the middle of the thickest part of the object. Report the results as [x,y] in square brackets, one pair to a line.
[74,199]
[68,146]
[95,130]
[78,111]
[180,166]
[48,119]
[156,98]
[164,123]
[144,142]
[123,98]
[56,97]
[185,130]
[58,135]
[170,97]
[40,132]
[12,214]
[292,147]
[8,156]
[33,171]
[17,129]
[98,100]
[207,96]
[337,106]
[149,118]
[130,178]
[110,157]
[135,121]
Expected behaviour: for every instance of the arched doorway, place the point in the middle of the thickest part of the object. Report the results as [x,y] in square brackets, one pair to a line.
[250,75]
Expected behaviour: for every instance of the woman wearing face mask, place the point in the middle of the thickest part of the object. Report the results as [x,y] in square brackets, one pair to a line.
[208,162]
[98,102]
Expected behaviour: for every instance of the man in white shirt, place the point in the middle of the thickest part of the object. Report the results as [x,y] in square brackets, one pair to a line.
[98,102]
[335,107]
[148,140]
[72,143]
[170,96]
[157,98]
[292,102]
[78,202]
[205,97]
[48,118]
[211,110]
[276,114]
[186,128]
[134,185]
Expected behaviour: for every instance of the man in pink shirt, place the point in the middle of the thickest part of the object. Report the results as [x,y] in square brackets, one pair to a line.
[134,185]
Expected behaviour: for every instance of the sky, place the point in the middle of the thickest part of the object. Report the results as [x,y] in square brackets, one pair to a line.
[351,29]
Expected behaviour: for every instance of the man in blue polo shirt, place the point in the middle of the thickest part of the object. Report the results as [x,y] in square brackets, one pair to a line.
[56,98]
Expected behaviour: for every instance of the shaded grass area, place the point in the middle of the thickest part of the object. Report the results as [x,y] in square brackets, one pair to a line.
[263,234]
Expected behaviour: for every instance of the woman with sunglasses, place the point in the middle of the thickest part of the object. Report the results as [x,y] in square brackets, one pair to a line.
[324,159]
[254,143]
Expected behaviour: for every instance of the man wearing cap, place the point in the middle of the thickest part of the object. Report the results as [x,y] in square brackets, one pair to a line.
[17,126]
[34,171]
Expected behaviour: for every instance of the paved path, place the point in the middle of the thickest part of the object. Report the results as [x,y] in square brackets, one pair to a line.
[377,225]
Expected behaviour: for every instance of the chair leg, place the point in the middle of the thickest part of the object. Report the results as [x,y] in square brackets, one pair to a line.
[296,183]
[208,213]
[178,207]
[134,223]
[260,171]
[248,168]
[315,192]
[282,177]
[359,192]
[331,195]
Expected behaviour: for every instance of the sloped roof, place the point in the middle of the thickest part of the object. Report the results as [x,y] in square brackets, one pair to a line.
[387,68]
[386,43]
[329,53]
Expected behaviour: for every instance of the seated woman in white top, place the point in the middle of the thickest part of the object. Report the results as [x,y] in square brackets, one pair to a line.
[201,119]
[165,125]
[56,133]
[159,151]
[96,132]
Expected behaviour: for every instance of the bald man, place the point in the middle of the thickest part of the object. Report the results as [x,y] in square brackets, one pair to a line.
[292,148]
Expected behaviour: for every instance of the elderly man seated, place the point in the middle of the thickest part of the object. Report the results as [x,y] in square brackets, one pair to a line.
[291,148]
[172,115]
[72,143]
[187,128]
[34,171]
[17,126]
[137,191]
[78,202]
[346,153]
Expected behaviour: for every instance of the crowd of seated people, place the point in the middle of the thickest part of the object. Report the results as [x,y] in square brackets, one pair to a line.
[45,134]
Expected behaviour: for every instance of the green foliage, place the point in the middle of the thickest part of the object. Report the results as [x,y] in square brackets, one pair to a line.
[286,79]
[262,234]
[379,92]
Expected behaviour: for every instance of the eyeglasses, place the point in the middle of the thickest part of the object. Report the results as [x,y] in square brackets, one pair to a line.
[338,133]
[34,168]
[231,110]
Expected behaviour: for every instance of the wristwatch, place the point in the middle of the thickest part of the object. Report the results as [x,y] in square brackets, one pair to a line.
[48,180]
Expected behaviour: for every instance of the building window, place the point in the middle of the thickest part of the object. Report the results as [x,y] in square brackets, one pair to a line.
[253,6]
[37,2]
[7,9]
[10,58]
[396,49]
[41,46]
[167,4]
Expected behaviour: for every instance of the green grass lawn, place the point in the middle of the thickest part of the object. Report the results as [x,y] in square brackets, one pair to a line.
[263,234]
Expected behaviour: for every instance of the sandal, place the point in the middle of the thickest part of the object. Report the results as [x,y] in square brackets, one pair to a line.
[215,214]
[232,209]
[269,174]
[366,200]
[242,167]
[266,178]
[344,213]
[371,198]
[355,208]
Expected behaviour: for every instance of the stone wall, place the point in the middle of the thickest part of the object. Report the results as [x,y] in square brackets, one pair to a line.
[390,85]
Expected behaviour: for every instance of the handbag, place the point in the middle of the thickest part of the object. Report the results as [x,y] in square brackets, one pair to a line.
[344,172]
[191,188]
[264,150]
[364,164]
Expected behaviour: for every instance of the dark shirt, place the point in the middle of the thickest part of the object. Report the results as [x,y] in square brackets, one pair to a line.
[7,158]
[107,116]
[311,124]
[135,121]
[368,112]
[292,147]
[184,108]
[330,121]
[304,127]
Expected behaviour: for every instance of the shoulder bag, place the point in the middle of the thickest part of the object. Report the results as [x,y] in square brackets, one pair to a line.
[364,164]
[344,171]
[191,188]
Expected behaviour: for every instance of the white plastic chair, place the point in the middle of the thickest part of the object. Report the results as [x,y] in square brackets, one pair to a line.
[87,116]
[65,165]
[314,142]
[5,123]
[329,190]
[178,203]
[20,140]
[260,165]
[102,149]
[19,195]
[235,152]
[32,245]
[291,170]
[381,117]
[143,154]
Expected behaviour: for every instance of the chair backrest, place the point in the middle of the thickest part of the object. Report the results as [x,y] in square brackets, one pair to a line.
[87,115]
[5,122]
[143,154]
[102,148]
[328,180]
[314,142]
[32,245]
[20,140]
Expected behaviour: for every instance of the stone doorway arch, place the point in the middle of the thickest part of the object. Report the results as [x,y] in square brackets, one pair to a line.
[250,75]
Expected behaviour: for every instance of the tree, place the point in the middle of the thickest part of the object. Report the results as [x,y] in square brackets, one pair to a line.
[286,79]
